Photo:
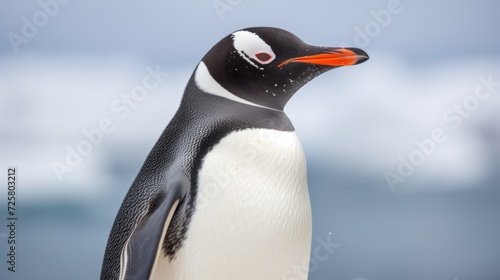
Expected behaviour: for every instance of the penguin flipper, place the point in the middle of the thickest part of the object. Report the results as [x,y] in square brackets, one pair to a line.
[143,248]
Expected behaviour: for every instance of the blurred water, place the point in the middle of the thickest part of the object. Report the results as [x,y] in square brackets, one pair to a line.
[382,235]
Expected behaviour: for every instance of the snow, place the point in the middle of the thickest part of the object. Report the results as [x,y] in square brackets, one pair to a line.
[362,117]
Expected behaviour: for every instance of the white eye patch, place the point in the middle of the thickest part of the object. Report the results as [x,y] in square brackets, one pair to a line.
[250,45]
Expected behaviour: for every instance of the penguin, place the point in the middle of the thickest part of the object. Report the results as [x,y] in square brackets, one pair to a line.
[223,193]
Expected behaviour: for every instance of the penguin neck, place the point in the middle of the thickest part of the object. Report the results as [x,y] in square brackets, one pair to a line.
[199,104]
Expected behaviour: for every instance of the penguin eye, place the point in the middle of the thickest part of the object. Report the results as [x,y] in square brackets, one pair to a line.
[263,57]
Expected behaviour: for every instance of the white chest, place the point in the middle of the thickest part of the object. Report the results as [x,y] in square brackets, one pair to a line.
[253,216]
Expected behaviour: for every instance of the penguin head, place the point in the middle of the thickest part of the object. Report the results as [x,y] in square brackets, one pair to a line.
[265,66]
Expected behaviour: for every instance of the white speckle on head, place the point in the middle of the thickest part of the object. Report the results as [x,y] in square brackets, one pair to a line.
[208,84]
[249,44]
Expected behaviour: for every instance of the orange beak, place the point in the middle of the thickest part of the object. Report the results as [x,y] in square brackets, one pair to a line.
[333,57]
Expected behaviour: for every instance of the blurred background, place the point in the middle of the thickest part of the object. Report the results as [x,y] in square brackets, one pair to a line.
[403,151]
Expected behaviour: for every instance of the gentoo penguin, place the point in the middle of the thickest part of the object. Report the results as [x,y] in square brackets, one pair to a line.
[223,193]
